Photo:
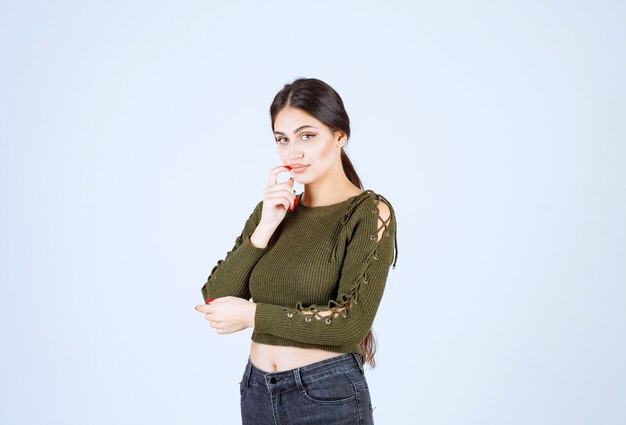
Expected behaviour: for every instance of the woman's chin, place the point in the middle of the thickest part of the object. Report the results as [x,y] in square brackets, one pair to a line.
[302,180]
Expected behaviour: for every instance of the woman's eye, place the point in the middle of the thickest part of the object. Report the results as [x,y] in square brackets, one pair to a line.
[308,137]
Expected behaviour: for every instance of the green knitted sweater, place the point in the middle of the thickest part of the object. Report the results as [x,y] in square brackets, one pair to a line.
[319,281]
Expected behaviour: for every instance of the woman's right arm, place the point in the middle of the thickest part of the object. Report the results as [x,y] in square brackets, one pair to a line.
[230,275]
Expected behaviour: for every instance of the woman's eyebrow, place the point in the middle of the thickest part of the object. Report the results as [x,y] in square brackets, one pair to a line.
[296,130]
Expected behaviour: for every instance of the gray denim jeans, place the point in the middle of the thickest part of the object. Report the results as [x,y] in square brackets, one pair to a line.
[330,392]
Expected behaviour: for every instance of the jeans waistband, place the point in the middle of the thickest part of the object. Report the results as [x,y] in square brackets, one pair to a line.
[311,371]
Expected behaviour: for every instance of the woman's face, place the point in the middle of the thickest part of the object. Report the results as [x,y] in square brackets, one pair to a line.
[301,139]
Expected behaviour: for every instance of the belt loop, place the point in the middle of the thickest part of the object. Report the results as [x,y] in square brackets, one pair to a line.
[298,379]
[358,361]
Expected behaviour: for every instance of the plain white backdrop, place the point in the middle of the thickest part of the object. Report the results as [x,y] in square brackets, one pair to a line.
[136,139]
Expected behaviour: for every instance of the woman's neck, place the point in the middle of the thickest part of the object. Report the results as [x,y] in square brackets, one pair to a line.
[316,196]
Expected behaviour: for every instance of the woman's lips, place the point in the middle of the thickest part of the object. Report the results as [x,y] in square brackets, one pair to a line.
[299,168]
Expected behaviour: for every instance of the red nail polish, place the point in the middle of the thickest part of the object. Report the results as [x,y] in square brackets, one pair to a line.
[208,300]
[295,201]
[288,167]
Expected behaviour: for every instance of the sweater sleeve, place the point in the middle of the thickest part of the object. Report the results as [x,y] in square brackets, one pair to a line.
[350,316]
[230,275]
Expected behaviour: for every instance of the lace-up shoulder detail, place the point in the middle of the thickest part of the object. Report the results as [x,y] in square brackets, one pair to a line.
[365,195]
[365,247]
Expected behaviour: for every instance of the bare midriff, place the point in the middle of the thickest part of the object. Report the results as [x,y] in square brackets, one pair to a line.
[273,358]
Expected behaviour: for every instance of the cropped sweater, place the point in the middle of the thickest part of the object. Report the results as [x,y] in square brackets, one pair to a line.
[319,281]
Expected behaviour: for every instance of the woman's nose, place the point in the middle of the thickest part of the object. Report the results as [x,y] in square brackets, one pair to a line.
[295,153]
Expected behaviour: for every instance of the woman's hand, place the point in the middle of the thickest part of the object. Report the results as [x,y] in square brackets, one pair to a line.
[277,198]
[229,314]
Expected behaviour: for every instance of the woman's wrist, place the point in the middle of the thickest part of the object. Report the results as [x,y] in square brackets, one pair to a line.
[261,236]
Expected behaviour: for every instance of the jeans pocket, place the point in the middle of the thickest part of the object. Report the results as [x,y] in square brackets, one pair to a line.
[242,390]
[243,384]
[335,388]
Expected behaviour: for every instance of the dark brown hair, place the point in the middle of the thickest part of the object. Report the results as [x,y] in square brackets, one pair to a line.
[321,101]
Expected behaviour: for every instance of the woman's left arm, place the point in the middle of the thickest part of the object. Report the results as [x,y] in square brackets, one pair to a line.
[349,318]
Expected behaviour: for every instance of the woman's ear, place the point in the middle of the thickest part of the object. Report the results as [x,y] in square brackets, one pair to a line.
[341,138]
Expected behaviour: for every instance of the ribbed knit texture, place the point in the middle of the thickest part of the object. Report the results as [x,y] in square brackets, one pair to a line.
[324,258]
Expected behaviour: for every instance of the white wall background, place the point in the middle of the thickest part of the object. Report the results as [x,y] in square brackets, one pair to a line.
[135,140]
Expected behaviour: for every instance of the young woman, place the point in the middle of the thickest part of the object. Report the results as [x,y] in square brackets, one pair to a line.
[315,266]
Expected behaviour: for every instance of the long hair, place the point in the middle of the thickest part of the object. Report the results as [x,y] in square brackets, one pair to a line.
[321,101]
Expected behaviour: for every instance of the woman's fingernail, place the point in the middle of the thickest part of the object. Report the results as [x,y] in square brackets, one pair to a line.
[295,200]
[208,300]
[288,167]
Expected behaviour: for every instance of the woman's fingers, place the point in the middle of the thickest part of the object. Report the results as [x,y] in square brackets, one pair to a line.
[276,194]
[219,328]
[287,184]
[286,187]
[274,172]
[280,193]
[211,315]
[287,200]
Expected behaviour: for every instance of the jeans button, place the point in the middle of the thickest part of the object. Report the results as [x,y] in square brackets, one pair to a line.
[273,380]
